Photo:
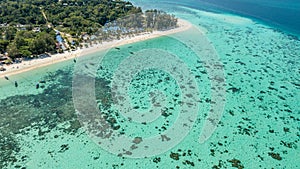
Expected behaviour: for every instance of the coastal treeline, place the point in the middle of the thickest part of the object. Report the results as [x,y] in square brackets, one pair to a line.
[28,43]
[134,24]
[31,27]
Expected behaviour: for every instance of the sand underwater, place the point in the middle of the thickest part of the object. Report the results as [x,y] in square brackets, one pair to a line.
[259,127]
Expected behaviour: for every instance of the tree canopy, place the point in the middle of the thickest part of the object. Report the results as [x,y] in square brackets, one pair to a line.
[27,26]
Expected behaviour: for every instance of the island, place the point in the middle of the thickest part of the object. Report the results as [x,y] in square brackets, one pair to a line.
[36,33]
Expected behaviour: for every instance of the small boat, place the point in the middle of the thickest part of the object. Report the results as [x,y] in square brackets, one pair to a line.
[6,77]
[16,84]
[74,60]
[117,48]
[131,53]
[42,81]
[37,86]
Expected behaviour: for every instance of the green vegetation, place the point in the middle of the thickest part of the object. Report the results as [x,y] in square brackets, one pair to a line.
[87,15]
[27,43]
[28,26]
[20,12]
[159,20]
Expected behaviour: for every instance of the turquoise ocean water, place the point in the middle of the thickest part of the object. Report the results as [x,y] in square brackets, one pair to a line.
[260,123]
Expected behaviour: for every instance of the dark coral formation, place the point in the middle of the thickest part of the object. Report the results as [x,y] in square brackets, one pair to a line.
[236,163]
[174,156]
[276,156]
[42,111]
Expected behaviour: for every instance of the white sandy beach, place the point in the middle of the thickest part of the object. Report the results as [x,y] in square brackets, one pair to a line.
[36,63]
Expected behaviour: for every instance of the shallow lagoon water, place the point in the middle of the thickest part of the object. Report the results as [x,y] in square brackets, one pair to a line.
[259,127]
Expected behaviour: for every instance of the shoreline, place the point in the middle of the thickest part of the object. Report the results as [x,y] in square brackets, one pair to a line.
[28,65]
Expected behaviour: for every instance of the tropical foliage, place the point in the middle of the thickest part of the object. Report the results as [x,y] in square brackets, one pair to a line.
[28,26]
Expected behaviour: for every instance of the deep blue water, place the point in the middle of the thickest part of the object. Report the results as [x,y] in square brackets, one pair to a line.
[281,14]
[284,14]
